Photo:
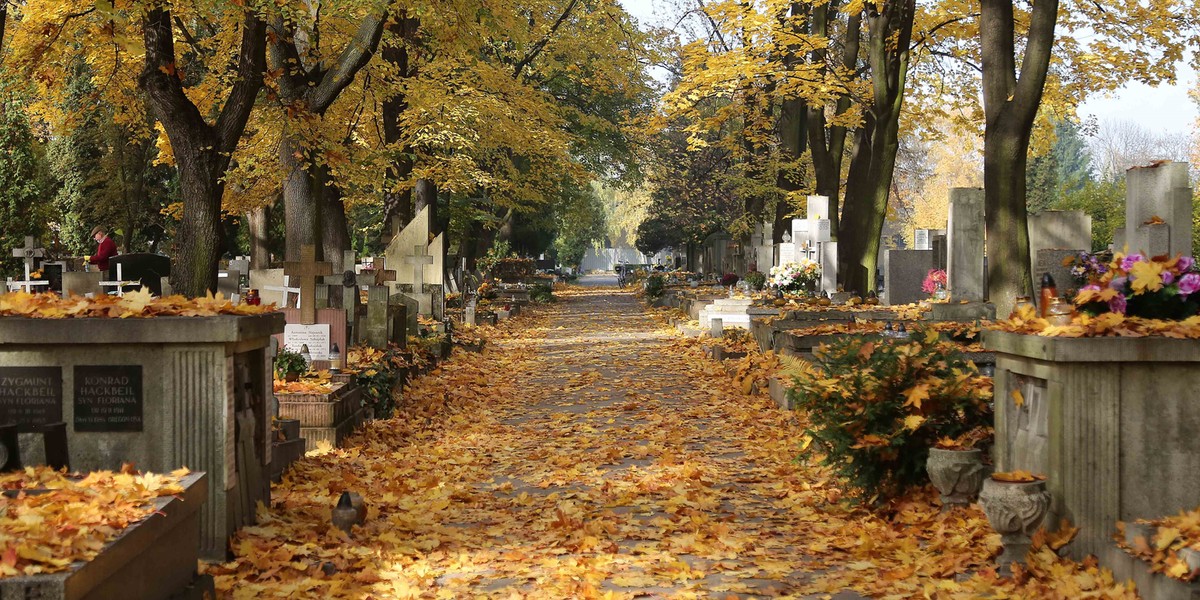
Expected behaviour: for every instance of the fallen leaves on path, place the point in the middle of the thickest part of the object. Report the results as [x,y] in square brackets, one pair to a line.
[139,304]
[587,454]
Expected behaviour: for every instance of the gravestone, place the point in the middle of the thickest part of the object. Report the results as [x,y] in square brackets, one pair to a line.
[411,310]
[1057,233]
[146,268]
[229,283]
[272,289]
[317,328]
[938,242]
[29,284]
[966,245]
[813,239]
[921,240]
[241,264]
[1161,191]
[82,283]
[904,272]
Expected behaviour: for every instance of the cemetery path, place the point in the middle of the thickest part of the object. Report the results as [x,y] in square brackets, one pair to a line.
[586,453]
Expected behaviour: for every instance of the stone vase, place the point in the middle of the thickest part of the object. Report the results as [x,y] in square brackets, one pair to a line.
[1015,510]
[957,474]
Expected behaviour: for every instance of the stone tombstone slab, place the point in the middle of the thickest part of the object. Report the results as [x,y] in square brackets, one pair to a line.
[81,283]
[108,398]
[904,272]
[240,264]
[229,283]
[52,271]
[829,266]
[787,254]
[31,396]
[415,233]
[270,286]
[1162,191]
[1057,230]
[374,331]
[412,308]
[147,268]
[1051,261]
[966,245]
[937,242]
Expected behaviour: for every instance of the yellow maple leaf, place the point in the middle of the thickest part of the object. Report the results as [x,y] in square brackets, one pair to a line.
[913,422]
[1146,276]
[1018,397]
[916,395]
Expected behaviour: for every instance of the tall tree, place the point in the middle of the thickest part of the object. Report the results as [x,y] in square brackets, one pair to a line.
[1010,101]
[308,84]
[202,150]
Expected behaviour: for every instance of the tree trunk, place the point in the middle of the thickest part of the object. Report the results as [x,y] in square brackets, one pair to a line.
[874,161]
[1010,106]
[259,223]
[335,233]
[426,194]
[313,89]
[202,151]
[829,143]
[397,204]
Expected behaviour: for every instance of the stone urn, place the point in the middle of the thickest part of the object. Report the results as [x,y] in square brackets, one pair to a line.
[957,474]
[1015,510]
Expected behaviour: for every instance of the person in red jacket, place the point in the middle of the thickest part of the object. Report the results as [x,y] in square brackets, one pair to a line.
[105,251]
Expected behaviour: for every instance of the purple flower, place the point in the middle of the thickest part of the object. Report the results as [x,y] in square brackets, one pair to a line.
[1189,284]
[1118,283]
[1091,287]
[1185,264]
[1117,304]
[1128,262]
[1168,277]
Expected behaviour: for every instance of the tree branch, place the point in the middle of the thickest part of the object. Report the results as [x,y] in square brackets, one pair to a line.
[252,61]
[353,58]
[541,44]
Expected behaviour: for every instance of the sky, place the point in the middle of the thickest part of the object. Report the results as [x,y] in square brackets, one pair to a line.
[1161,109]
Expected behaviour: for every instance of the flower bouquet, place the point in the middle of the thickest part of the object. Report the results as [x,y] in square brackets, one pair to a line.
[795,276]
[1087,267]
[935,280]
[1152,288]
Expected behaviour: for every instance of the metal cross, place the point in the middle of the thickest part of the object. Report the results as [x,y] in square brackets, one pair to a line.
[120,283]
[28,283]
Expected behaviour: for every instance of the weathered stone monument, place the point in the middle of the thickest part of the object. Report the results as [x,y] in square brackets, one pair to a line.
[813,239]
[965,262]
[1158,211]
[1055,235]
[904,272]
[318,329]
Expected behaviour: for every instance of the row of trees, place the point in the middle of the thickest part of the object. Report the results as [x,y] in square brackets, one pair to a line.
[352,115]
[800,97]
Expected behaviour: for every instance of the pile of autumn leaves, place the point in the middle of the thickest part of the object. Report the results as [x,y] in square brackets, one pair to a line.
[139,304]
[49,519]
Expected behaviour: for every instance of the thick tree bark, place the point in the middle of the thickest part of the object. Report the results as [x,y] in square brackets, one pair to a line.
[1010,105]
[397,203]
[202,151]
[313,91]
[425,193]
[870,179]
[259,221]
[829,143]
[335,232]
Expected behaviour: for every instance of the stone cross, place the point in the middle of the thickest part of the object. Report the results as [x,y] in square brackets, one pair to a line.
[27,283]
[418,260]
[28,253]
[308,270]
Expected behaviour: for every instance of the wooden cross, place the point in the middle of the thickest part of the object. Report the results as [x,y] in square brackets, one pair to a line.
[308,270]
[382,275]
[28,252]
[418,260]
[28,283]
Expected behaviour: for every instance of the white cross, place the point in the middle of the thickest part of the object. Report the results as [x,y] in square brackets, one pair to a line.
[286,291]
[27,284]
[418,260]
[28,253]
[120,283]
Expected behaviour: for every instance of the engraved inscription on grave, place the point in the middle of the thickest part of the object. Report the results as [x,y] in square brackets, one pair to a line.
[108,398]
[30,396]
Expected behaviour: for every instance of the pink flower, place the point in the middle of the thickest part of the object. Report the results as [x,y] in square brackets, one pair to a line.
[1091,287]
[1128,262]
[1117,304]
[1185,264]
[1168,277]
[1189,284]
